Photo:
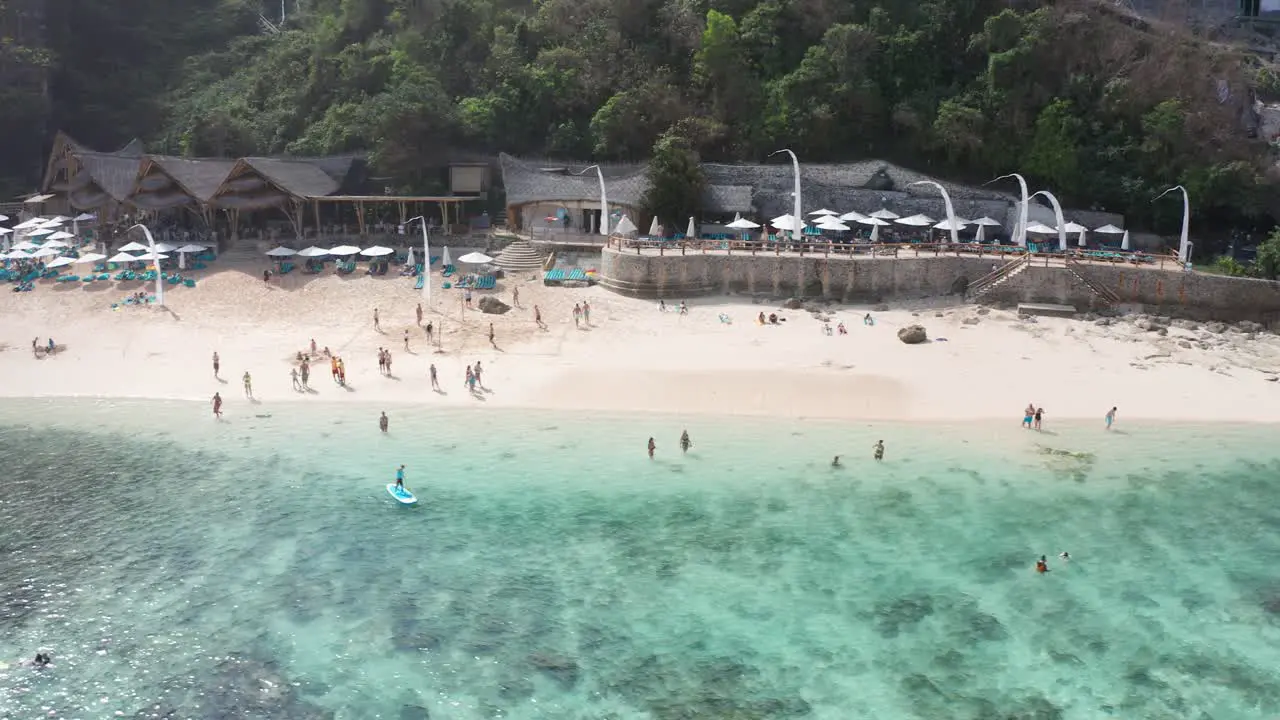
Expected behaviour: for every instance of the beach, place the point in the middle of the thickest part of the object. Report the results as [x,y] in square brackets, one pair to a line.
[979,365]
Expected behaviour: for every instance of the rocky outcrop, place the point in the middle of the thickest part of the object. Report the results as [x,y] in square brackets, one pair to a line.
[913,335]
[493,306]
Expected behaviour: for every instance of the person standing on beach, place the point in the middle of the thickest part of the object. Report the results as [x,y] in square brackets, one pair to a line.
[217,405]
[1039,412]
[248,385]
[1028,415]
[430,329]
[333,367]
[342,372]
[586,313]
[216,364]
[1111,417]
[537,317]
[470,379]
[477,374]
[491,340]
[406,341]
[652,446]
[515,296]
[685,444]
[577,314]
[382,362]
[313,347]
[435,381]
[35,348]
[376,324]
[383,422]
[879,450]
[419,314]
[306,374]
[293,375]
[388,363]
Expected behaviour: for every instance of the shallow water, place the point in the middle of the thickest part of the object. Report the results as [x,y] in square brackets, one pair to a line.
[257,567]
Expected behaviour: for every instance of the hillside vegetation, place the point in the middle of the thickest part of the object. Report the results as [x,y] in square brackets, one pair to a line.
[1103,110]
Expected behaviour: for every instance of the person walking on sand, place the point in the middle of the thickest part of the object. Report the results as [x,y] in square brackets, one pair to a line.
[684,442]
[388,351]
[383,422]
[377,325]
[1111,417]
[429,331]
[406,341]
[313,348]
[35,348]
[382,362]
[216,364]
[217,405]
[419,314]
[652,446]
[577,314]
[515,296]
[333,367]
[1028,415]
[879,450]
[293,375]
[491,340]
[1039,413]
[477,374]
[537,317]
[470,379]
[435,381]
[342,372]
[248,385]
[586,313]
[306,374]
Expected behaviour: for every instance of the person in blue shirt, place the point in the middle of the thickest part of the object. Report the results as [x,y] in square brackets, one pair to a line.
[400,478]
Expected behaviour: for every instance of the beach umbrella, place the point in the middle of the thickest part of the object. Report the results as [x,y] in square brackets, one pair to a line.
[61,235]
[313,251]
[853,215]
[153,256]
[38,232]
[410,261]
[376,251]
[55,244]
[884,214]
[51,223]
[120,257]
[875,232]
[192,248]
[444,257]
[874,221]
[342,250]
[3,218]
[787,222]
[741,224]
[59,262]
[978,237]
[961,223]
[654,229]
[18,255]
[1073,228]
[625,226]
[1083,241]
[163,247]
[5,231]
[1124,242]
[829,222]
[95,257]
[692,230]
[985,221]
[916,221]
[45,252]
[131,248]
[475,258]
[281,252]
[84,217]
[27,224]
[1041,228]
[1109,229]
[25,245]
[59,218]
[824,211]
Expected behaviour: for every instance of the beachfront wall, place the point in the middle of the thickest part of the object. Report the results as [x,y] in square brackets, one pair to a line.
[880,279]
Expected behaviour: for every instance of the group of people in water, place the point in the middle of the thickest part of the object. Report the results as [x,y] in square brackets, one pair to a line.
[877,452]
[1042,565]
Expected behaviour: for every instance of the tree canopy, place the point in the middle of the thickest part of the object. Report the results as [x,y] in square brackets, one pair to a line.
[1104,110]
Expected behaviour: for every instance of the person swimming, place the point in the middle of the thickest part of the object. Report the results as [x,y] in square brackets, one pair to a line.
[1064,555]
[835,462]
[685,444]
[879,450]
[1042,565]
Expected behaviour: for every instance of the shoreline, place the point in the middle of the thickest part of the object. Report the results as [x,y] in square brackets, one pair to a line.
[714,362]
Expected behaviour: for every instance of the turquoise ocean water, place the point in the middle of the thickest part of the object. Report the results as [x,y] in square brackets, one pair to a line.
[180,568]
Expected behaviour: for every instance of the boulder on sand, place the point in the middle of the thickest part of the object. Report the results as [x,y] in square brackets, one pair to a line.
[793,304]
[913,335]
[492,305]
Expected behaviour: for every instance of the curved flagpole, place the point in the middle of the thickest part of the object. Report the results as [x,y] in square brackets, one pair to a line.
[946,199]
[159,275]
[1057,214]
[604,199]
[798,227]
[1184,245]
[1020,232]
[426,258]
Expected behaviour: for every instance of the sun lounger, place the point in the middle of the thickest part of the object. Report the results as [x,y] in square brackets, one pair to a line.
[553,277]
[448,271]
[486,282]
[286,268]
[576,275]
[189,282]
[434,259]
[420,282]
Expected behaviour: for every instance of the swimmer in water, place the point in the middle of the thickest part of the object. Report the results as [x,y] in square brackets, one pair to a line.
[1042,565]
[835,462]
[1065,556]
[383,422]
[879,448]
[684,441]
[652,447]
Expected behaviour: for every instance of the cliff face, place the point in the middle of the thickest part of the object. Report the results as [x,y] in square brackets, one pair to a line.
[24,91]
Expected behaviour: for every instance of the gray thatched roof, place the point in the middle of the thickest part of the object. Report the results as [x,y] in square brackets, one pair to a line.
[114,174]
[727,199]
[200,177]
[299,178]
[528,182]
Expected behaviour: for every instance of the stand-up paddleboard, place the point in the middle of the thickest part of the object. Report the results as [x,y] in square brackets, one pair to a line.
[402,496]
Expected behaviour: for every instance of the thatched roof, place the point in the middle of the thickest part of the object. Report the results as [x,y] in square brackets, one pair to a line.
[299,178]
[528,182]
[200,178]
[113,174]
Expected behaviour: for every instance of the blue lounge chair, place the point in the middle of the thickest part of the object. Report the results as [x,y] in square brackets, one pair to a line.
[421,281]
[553,277]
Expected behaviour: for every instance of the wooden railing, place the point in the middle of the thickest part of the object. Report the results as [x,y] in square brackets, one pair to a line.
[1098,289]
[984,283]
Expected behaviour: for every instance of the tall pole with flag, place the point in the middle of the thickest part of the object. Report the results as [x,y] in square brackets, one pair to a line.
[156,259]
[798,224]
[604,200]
[426,258]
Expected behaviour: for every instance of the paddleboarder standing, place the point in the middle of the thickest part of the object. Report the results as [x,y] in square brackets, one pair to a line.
[400,477]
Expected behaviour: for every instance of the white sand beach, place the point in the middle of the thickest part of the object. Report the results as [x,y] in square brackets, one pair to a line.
[632,358]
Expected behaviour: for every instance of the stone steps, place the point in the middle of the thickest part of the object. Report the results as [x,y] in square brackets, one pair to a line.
[520,255]
[653,291]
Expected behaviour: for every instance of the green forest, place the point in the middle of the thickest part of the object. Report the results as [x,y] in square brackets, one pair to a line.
[1104,110]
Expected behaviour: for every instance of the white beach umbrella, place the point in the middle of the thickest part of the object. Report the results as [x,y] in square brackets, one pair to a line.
[59,218]
[18,255]
[164,247]
[1083,241]
[1124,242]
[376,251]
[52,224]
[84,217]
[782,220]
[875,232]
[28,224]
[411,261]
[960,223]
[3,218]
[61,235]
[153,256]
[884,214]
[1073,228]
[742,224]
[313,251]
[343,250]
[1041,228]
[45,252]
[59,262]
[1110,230]
[121,257]
[654,229]
[985,221]
[692,231]
[281,252]
[55,244]
[191,248]
[475,258]
[5,231]
[444,258]
[131,248]
[25,245]
[875,221]
[40,232]
[830,223]
[95,257]
[916,220]
[625,226]
[853,215]
[978,237]
[825,211]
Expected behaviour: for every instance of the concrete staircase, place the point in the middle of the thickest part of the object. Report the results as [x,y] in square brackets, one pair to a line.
[1099,291]
[520,255]
[984,285]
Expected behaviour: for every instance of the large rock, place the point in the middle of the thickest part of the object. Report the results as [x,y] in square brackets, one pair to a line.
[913,335]
[793,304]
[493,306]
[1216,328]
[1249,326]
